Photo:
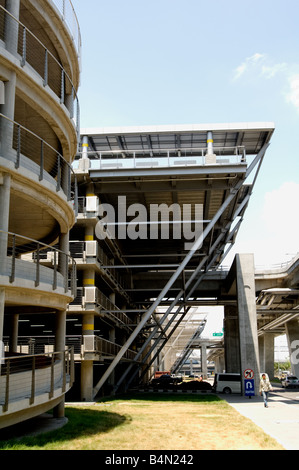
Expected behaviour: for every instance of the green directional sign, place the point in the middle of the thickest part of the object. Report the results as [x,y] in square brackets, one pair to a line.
[217,334]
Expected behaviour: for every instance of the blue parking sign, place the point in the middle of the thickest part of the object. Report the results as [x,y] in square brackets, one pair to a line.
[249,388]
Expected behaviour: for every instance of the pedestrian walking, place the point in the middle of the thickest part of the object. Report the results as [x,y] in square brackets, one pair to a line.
[265,388]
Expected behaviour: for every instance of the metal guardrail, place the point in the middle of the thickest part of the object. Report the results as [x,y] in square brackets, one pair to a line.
[95,344]
[67,11]
[80,345]
[93,295]
[41,345]
[32,260]
[30,376]
[23,44]
[26,149]
[155,158]
[92,249]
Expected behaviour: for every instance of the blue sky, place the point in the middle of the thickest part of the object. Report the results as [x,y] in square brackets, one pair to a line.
[193,62]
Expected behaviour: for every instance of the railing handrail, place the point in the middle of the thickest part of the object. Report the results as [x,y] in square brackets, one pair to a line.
[131,152]
[39,138]
[60,161]
[38,262]
[31,240]
[62,11]
[48,53]
[29,356]
[40,43]
[66,357]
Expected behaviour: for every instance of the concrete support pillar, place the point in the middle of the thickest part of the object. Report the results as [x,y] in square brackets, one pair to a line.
[13,339]
[220,364]
[204,364]
[89,274]
[87,381]
[87,365]
[5,181]
[12,26]
[89,278]
[63,258]
[88,324]
[231,339]
[292,330]
[266,354]
[89,233]
[13,6]
[245,283]
[2,305]
[60,331]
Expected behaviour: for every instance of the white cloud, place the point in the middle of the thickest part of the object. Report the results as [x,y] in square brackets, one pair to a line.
[272,233]
[269,71]
[247,65]
[281,223]
[293,95]
[262,66]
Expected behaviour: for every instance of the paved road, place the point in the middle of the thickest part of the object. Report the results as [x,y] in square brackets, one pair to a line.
[280,420]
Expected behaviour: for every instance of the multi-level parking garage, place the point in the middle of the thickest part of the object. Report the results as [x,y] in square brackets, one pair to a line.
[137,282]
[39,126]
[108,256]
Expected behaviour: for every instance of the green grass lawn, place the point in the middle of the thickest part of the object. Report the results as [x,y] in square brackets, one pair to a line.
[152,422]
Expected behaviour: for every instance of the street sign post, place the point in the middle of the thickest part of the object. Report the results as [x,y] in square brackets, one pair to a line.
[249,388]
[248,374]
[249,383]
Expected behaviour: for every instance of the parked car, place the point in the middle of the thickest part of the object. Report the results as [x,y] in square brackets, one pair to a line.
[290,381]
[166,380]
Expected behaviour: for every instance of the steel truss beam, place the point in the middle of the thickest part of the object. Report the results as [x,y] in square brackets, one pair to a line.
[232,194]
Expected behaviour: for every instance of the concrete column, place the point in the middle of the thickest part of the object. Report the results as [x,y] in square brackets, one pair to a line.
[87,365]
[266,354]
[87,329]
[5,181]
[60,331]
[292,330]
[89,274]
[220,364]
[245,283]
[13,6]
[64,249]
[12,26]
[87,381]
[13,343]
[88,324]
[2,305]
[204,365]
[231,339]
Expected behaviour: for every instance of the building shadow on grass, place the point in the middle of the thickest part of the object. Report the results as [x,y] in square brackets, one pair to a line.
[79,423]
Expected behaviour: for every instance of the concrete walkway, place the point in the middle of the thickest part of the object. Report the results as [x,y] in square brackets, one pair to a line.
[280,420]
